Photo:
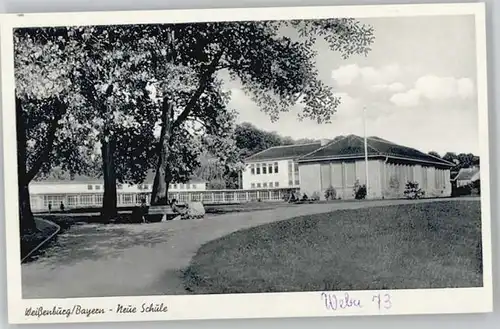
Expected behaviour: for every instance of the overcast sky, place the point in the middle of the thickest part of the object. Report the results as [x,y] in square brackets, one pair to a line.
[418,84]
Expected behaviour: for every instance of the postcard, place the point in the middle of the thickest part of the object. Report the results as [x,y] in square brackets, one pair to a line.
[246,163]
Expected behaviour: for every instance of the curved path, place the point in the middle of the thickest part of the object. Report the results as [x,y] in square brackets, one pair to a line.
[140,260]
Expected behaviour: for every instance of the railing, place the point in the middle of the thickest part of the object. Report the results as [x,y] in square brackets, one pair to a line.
[40,202]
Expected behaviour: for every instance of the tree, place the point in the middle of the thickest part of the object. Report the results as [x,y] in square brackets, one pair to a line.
[276,71]
[435,154]
[250,139]
[122,117]
[45,102]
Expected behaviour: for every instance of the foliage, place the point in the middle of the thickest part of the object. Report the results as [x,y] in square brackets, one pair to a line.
[330,193]
[462,160]
[217,184]
[359,190]
[461,190]
[412,191]
[250,139]
[315,196]
[476,186]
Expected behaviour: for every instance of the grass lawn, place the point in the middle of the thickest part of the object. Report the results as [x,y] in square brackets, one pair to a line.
[427,245]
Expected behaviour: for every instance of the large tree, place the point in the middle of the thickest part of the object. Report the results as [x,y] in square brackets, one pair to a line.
[278,72]
[46,102]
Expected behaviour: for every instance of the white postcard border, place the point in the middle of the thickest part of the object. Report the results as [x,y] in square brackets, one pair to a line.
[304,304]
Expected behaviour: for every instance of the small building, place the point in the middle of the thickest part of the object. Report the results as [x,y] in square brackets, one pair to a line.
[341,164]
[275,167]
[466,176]
[85,191]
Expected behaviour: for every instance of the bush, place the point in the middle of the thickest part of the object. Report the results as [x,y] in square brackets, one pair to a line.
[330,193]
[291,195]
[461,191]
[359,191]
[412,191]
[476,187]
[315,196]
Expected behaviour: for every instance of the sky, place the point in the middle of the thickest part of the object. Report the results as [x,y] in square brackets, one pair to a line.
[418,84]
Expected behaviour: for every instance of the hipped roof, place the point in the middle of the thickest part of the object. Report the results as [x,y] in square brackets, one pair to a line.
[284,152]
[352,146]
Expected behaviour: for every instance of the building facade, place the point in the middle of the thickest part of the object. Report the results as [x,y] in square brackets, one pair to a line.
[341,165]
[83,191]
[466,176]
[276,167]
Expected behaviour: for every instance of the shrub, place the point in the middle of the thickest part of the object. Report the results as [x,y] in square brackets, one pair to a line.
[412,191]
[330,193]
[359,191]
[291,195]
[315,196]
[476,187]
[461,191]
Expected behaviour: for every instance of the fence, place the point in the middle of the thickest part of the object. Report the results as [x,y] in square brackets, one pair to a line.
[41,202]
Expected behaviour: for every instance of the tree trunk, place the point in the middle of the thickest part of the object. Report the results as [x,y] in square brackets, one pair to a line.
[109,202]
[25,175]
[26,220]
[159,195]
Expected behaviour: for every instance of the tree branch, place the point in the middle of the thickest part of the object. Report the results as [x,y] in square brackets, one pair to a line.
[205,79]
[43,157]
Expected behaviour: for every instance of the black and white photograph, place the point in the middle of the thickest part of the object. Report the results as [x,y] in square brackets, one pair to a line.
[246,161]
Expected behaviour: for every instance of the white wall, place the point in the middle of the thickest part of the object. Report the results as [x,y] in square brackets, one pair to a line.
[281,177]
[83,188]
[311,178]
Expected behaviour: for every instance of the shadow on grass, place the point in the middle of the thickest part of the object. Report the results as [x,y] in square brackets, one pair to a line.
[415,246]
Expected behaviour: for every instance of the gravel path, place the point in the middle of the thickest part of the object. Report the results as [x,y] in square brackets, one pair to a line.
[138,260]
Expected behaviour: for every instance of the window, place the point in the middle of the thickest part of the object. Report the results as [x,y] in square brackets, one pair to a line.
[258,185]
[90,187]
[119,186]
[264,169]
[296,167]
[276,168]
[128,198]
[276,184]
[270,168]
[270,184]
[252,169]
[181,186]
[86,199]
[258,169]
[175,186]
[193,186]
[145,186]
[73,200]
[252,185]
[264,185]
[290,183]
[98,187]
[188,186]
[290,173]
[98,199]
[297,182]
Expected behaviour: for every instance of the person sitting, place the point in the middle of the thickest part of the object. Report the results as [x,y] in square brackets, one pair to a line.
[179,211]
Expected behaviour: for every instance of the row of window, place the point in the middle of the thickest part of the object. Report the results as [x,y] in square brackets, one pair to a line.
[182,186]
[264,168]
[263,185]
[146,187]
